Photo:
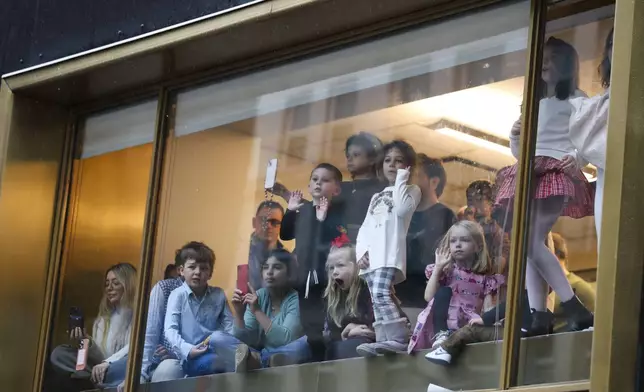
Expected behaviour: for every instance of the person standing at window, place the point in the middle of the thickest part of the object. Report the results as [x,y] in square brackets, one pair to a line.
[589,128]
[428,225]
[560,186]
[265,238]
[381,248]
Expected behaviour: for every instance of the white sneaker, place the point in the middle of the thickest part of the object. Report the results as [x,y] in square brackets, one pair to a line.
[436,388]
[439,357]
[439,338]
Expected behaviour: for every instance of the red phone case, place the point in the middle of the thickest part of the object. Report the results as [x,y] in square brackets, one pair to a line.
[242,278]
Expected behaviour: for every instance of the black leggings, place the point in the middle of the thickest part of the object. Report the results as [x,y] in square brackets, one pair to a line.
[440,310]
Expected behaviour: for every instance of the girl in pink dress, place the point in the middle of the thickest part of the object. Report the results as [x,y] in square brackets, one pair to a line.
[463,265]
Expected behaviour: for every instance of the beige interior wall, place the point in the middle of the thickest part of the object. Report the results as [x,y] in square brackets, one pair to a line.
[105,227]
[209,195]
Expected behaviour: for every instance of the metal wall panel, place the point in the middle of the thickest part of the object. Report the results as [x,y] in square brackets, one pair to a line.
[27,203]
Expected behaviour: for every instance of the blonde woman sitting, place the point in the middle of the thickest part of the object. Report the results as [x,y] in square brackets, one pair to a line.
[109,342]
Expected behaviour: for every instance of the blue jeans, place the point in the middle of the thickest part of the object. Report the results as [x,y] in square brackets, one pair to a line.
[297,351]
[115,373]
[220,357]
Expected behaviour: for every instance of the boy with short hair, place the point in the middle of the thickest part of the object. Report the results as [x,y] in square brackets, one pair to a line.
[314,224]
[198,319]
[429,224]
[480,201]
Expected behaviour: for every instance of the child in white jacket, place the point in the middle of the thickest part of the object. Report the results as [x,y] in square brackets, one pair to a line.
[381,248]
[589,128]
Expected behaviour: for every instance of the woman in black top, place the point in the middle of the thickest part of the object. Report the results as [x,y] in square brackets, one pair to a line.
[348,302]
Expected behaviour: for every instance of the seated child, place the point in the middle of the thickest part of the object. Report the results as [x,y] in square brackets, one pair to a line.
[267,321]
[313,225]
[349,311]
[480,201]
[198,320]
[463,265]
[489,328]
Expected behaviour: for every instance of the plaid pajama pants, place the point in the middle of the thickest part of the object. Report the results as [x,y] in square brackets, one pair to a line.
[380,283]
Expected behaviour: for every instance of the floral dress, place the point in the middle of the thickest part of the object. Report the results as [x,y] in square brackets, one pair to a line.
[469,289]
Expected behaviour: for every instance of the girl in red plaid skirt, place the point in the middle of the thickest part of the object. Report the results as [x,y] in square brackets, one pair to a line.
[560,188]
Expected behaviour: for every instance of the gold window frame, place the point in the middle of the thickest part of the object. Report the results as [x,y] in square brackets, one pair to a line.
[621,257]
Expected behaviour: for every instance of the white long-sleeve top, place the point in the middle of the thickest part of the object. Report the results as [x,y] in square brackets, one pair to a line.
[553,138]
[589,127]
[384,230]
[113,337]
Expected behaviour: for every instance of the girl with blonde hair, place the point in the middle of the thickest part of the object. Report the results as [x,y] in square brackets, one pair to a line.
[109,341]
[348,303]
[463,265]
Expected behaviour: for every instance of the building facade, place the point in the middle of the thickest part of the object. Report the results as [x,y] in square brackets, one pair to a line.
[123,147]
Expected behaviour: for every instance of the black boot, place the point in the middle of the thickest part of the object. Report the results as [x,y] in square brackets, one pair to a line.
[579,318]
[541,323]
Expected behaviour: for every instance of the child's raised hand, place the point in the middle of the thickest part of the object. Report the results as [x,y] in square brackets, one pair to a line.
[363,263]
[238,302]
[295,201]
[321,209]
[251,300]
[442,259]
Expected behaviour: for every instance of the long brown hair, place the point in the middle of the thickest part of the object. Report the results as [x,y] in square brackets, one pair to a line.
[605,66]
[566,61]
[342,303]
[482,264]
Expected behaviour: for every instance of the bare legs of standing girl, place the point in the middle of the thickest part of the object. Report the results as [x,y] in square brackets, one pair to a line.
[543,270]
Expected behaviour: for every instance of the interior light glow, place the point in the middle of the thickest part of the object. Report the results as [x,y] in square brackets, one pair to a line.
[475,140]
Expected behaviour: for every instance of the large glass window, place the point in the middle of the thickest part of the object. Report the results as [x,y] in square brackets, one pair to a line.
[354,204]
[386,156]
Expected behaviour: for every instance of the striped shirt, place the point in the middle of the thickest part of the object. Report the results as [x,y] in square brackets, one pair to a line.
[154,335]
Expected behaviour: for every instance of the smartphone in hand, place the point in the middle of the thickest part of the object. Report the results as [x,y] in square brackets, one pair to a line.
[76,318]
[242,278]
[271,174]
